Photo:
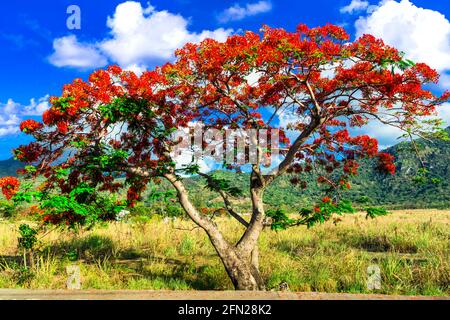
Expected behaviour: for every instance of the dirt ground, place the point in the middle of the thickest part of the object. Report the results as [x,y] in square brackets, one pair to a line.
[21,294]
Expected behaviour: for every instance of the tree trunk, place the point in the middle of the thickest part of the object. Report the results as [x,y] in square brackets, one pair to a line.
[240,265]
[255,267]
[244,274]
[31,255]
[25,258]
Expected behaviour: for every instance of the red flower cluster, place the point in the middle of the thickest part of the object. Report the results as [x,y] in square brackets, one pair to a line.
[30,126]
[368,145]
[62,127]
[386,163]
[329,30]
[351,167]
[29,153]
[132,196]
[67,218]
[10,186]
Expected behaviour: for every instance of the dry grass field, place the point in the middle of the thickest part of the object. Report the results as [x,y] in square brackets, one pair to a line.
[411,248]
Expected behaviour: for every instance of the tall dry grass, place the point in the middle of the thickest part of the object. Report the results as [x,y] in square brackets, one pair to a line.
[410,247]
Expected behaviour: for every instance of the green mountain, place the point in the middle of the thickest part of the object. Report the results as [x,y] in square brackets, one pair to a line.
[407,188]
[9,167]
[398,191]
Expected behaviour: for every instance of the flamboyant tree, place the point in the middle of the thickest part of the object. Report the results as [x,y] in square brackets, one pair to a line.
[120,125]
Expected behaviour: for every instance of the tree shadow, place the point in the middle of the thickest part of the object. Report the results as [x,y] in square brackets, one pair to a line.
[296,247]
[199,278]
[8,260]
[90,248]
[383,244]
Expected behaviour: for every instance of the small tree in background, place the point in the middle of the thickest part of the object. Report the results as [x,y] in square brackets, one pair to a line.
[26,241]
[9,187]
[118,124]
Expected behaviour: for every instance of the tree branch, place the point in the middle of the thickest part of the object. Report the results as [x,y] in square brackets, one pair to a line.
[226,201]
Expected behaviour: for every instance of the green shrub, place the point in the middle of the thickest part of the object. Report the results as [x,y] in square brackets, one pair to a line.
[7,209]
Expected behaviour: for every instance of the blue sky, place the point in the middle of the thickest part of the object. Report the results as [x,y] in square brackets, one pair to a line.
[39,53]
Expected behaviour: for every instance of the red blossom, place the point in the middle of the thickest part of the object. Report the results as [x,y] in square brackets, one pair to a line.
[115,70]
[62,127]
[351,167]
[29,126]
[29,153]
[10,186]
[386,163]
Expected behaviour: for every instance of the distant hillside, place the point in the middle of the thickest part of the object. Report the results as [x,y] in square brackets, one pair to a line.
[9,167]
[398,191]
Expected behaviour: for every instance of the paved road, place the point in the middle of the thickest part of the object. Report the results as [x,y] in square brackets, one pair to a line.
[20,294]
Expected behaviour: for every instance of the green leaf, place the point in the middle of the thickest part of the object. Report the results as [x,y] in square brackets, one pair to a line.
[373,212]
[27,237]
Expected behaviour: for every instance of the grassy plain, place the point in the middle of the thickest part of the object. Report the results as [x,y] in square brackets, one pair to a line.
[411,248]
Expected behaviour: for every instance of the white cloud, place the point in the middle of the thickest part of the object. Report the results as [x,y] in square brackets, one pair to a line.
[68,52]
[13,113]
[444,80]
[287,118]
[9,120]
[186,159]
[10,107]
[137,69]
[37,108]
[388,135]
[138,37]
[237,12]
[9,130]
[443,112]
[385,134]
[142,35]
[354,6]
[253,78]
[423,34]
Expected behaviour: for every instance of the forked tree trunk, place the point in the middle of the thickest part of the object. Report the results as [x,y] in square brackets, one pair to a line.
[247,275]
[243,273]
[241,262]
